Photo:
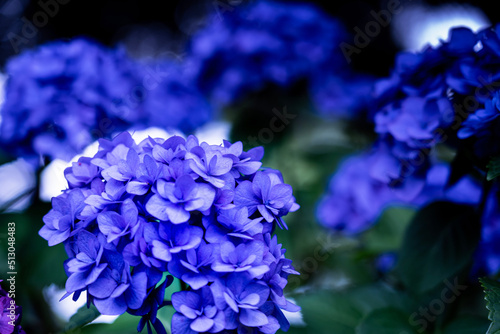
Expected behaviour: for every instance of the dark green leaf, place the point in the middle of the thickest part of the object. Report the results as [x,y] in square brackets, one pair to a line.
[493,168]
[342,312]
[439,242]
[387,234]
[82,317]
[330,313]
[386,320]
[467,325]
[492,291]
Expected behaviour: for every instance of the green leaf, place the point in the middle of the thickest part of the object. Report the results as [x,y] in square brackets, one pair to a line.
[467,325]
[439,243]
[387,234]
[330,313]
[386,320]
[342,312]
[492,296]
[493,168]
[82,317]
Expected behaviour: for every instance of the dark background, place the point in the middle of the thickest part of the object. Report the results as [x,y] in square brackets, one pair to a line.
[167,25]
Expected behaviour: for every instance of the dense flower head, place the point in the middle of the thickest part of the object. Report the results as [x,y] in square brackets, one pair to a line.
[10,314]
[203,213]
[270,42]
[62,96]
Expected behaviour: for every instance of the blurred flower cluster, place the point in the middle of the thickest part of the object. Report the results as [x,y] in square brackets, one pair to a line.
[273,43]
[444,96]
[63,96]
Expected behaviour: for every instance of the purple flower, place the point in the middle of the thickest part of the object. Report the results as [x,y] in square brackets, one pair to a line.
[209,163]
[175,238]
[174,201]
[234,223]
[194,267]
[60,222]
[268,194]
[85,267]
[264,43]
[81,173]
[242,258]
[196,312]
[367,184]
[114,225]
[244,298]
[136,211]
[115,291]
[62,96]
[10,314]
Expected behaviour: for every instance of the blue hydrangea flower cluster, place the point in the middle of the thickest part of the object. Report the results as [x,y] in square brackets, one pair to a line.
[203,213]
[10,315]
[270,42]
[63,96]
[445,95]
[356,196]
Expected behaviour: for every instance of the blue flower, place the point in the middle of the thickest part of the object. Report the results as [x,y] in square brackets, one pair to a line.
[135,211]
[85,267]
[63,95]
[197,312]
[242,299]
[245,257]
[194,267]
[268,194]
[264,43]
[174,201]
[367,184]
[60,222]
[115,291]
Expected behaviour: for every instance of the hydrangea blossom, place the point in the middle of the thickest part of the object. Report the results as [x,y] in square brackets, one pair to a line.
[356,196]
[203,213]
[64,95]
[446,95]
[270,42]
[10,316]
[61,96]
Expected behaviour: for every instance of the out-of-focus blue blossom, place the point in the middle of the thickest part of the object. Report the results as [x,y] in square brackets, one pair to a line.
[171,98]
[385,262]
[10,315]
[203,212]
[343,94]
[357,195]
[63,96]
[270,42]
